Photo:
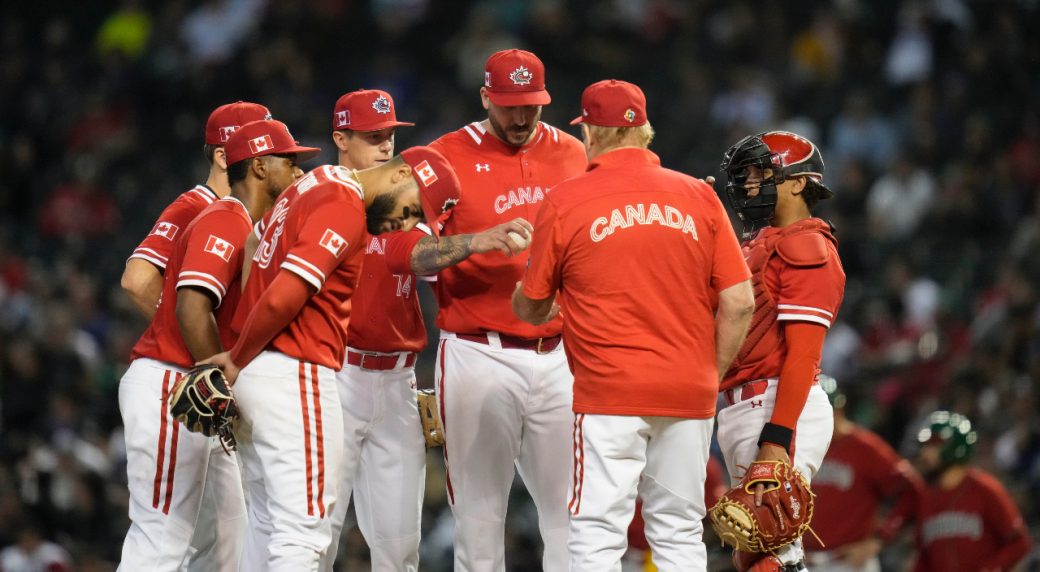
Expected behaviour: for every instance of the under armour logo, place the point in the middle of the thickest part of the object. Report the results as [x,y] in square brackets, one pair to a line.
[755,404]
[486,167]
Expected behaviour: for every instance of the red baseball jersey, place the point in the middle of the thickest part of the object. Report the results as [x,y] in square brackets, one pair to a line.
[316,230]
[964,529]
[206,255]
[385,314]
[499,183]
[158,245]
[859,473]
[797,276]
[639,254]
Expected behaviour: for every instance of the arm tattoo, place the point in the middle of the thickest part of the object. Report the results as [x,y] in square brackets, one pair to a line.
[431,255]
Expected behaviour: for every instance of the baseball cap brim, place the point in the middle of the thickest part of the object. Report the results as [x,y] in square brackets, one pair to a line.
[302,153]
[578,119]
[376,126]
[518,98]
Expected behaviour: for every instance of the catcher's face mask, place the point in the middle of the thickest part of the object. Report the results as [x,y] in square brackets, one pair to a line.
[751,180]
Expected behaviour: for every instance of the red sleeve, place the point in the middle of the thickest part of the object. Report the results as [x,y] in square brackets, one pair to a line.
[158,245]
[213,255]
[728,266]
[275,309]
[1004,519]
[811,293]
[399,246]
[333,223]
[542,279]
[804,346]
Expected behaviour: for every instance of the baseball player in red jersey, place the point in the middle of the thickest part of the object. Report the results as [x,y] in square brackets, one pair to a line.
[965,519]
[294,319]
[774,409]
[384,454]
[182,482]
[859,474]
[644,407]
[143,275]
[503,385]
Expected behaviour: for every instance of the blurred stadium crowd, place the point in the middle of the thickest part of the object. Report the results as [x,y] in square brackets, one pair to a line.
[926,111]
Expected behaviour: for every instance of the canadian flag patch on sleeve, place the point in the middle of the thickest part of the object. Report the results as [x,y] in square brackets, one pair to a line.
[333,242]
[220,247]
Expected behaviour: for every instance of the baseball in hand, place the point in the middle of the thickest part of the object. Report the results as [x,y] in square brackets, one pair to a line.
[519,239]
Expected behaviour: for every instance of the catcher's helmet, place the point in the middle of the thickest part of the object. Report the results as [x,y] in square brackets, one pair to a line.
[785,154]
[829,385]
[953,433]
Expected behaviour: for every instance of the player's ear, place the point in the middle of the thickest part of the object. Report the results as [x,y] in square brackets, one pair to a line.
[799,186]
[485,98]
[340,139]
[258,165]
[402,172]
[220,158]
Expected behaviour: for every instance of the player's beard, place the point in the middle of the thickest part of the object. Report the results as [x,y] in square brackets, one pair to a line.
[513,135]
[379,211]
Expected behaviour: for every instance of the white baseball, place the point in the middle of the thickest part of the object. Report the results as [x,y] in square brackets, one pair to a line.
[519,239]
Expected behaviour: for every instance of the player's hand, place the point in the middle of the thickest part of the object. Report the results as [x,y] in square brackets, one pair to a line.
[855,554]
[554,310]
[223,361]
[497,238]
[768,452]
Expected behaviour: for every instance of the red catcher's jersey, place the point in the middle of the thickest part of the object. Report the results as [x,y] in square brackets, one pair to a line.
[158,245]
[385,315]
[207,255]
[623,243]
[859,472]
[797,276]
[961,530]
[315,230]
[499,183]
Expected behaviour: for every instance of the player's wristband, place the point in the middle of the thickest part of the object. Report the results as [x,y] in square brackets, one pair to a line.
[776,435]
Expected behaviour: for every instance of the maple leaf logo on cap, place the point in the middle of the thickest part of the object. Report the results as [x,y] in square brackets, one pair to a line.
[225,132]
[426,173]
[343,117]
[261,144]
[381,105]
[521,76]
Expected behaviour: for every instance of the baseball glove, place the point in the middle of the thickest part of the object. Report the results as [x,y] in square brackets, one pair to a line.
[203,402]
[432,429]
[787,509]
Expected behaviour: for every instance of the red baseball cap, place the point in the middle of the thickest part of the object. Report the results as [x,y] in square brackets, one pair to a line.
[515,77]
[265,137]
[612,103]
[227,118]
[366,110]
[439,187]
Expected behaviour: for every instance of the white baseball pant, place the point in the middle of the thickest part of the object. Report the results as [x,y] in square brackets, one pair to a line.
[290,437]
[504,407]
[741,424]
[186,502]
[384,465]
[610,454]
[831,562]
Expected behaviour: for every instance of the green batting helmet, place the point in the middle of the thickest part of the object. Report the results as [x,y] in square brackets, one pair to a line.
[954,434]
[829,385]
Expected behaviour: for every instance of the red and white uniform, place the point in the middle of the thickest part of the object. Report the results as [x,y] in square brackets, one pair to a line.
[166,467]
[291,430]
[975,526]
[158,245]
[503,401]
[644,406]
[859,473]
[797,279]
[384,453]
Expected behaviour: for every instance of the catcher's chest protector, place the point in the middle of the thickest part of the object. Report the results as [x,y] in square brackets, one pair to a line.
[764,338]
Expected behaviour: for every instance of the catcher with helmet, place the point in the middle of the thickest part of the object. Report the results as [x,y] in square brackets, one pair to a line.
[964,519]
[775,424]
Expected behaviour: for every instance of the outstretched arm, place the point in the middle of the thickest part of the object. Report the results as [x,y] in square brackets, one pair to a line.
[431,255]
